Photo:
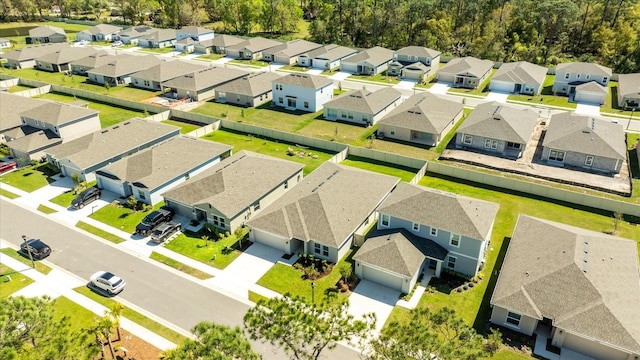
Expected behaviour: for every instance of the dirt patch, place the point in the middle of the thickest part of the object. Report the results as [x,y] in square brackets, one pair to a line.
[136,348]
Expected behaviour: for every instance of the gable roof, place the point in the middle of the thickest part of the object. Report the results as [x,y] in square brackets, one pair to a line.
[364,101]
[293,48]
[459,214]
[67,55]
[469,64]
[375,56]
[423,112]
[221,40]
[98,59]
[236,183]
[629,85]
[584,68]
[166,161]
[137,31]
[197,30]
[45,31]
[398,251]
[160,35]
[586,134]
[35,140]
[334,53]
[11,106]
[500,121]
[102,29]
[327,206]
[593,86]
[583,280]
[255,44]
[319,51]
[304,81]
[521,72]
[203,79]
[419,51]
[91,149]
[167,70]
[57,114]
[126,65]
[31,52]
[251,85]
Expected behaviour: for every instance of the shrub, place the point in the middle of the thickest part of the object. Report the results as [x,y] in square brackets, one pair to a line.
[472,285]
[194,222]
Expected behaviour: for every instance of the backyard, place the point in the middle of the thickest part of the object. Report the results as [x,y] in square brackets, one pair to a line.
[16,32]
[185,127]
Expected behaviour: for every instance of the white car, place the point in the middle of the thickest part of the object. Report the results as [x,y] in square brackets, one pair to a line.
[107,282]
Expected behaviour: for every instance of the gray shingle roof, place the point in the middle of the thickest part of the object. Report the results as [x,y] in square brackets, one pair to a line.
[137,31]
[584,68]
[160,35]
[45,31]
[221,40]
[255,44]
[502,122]
[593,86]
[167,70]
[102,29]
[11,106]
[197,30]
[375,56]
[327,206]
[126,65]
[35,141]
[420,51]
[319,51]
[334,53]
[57,114]
[521,72]
[304,80]
[424,112]
[251,85]
[629,85]
[98,59]
[67,55]
[31,52]
[364,101]
[586,135]
[471,65]
[102,145]
[166,161]
[398,251]
[585,281]
[236,183]
[204,79]
[294,48]
[452,212]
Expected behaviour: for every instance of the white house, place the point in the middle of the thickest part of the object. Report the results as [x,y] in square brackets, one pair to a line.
[302,92]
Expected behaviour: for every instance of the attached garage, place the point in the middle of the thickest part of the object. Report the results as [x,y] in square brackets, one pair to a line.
[349,67]
[591,92]
[501,86]
[446,77]
[108,183]
[381,277]
[592,348]
[180,209]
[265,238]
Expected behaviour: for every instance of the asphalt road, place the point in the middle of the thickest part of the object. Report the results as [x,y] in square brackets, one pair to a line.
[169,296]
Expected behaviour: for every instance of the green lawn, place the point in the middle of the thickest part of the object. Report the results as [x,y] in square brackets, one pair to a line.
[180,266]
[269,147]
[120,217]
[45,209]
[164,50]
[211,57]
[255,63]
[405,174]
[185,127]
[28,178]
[381,78]
[99,232]
[11,281]
[66,197]
[8,194]
[481,90]
[16,32]
[79,317]
[546,97]
[40,267]
[192,245]
[294,68]
[610,105]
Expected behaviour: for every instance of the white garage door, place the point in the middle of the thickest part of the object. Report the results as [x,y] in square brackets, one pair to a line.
[268,239]
[381,277]
[318,64]
[445,77]
[501,86]
[115,186]
[590,98]
[348,67]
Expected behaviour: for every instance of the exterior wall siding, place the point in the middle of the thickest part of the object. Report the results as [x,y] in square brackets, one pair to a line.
[315,98]
[527,325]
[561,83]
[589,347]
[80,128]
[578,160]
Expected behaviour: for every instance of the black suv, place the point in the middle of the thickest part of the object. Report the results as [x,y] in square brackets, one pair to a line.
[86,197]
[164,231]
[153,220]
[38,249]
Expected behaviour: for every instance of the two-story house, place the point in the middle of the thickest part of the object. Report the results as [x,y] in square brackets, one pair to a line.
[582,82]
[302,92]
[629,91]
[414,63]
[187,37]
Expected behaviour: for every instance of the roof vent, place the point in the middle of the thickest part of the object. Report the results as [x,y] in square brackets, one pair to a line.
[496,118]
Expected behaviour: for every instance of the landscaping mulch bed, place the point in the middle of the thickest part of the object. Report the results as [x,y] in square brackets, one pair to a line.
[137,349]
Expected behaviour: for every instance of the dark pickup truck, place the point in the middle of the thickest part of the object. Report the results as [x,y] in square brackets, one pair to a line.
[154,219]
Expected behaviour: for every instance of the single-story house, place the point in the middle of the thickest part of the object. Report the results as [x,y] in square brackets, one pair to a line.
[288,52]
[577,288]
[118,72]
[158,39]
[81,66]
[150,172]
[11,106]
[217,45]
[46,34]
[25,57]
[201,85]
[519,77]
[60,61]
[322,214]
[133,34]
[467,72]
[187,45]
[584,142]
[5,43]
[250,49]
[362,107]
[424,118]
[419,229]
[196,33]
[571,75]
[153,77]
[100,32]
[302,92]
[367,62]
[251,90]
[87,154]
[497,129]
[326,58]
[234,190]
[629,91]
[414,63]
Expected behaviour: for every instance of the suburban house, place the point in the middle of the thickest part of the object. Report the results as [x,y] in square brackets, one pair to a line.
[25,57]
[86,154]
[326,57]
[362,107]
[158,39]
[324,213]
[424,118]
[629,91]
[367,62]
[100,32]
[5,43]
[234,190]
[187,45]
[150,172]
[251,90]
[288,52]
[81,66]
[582,82]
[467,72]
[302,92]
[419,229]
[201,85]
[60,61]
[133,34]
[46,34]
[217,45]
[414,63]
[250,49]
[11,106]
[153,77]
[50,124]
[572,287]
[118,72]
[196,33]
[584,142]
[519,77]
[497,129]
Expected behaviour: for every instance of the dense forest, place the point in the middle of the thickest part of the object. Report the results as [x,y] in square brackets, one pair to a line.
[542,31]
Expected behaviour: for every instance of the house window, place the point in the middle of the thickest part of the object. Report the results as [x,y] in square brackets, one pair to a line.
[434,232]
[491,144]
[141,195]
[451,262]
[587,76]
[566,76]
[316,248]
[577,76]
[384,220]
[589,160]
[256,206]
[513,318]
[146,83]
[280,100]
[222,224]
[325,250]
[556,155]
[306,104]
[513,145]
[455,240]
[286,185]
[605,79]
[416,227]
[365,118]
[467,139]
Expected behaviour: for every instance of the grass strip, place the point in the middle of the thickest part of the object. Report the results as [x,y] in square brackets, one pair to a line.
[99,232]
[40,267]
[180,266]
[46,209]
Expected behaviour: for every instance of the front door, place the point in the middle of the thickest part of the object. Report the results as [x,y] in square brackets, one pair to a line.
[291,103]
[433,264]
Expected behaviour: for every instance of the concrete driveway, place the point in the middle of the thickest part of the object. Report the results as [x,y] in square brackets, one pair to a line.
[340,75]
[370,297]
[588,109]
[497,96]
[405,84]
[439,88]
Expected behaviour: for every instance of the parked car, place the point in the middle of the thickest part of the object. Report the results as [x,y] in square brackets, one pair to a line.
[164,231]
[39,250]
[116,43]
[154,219]
[85,197]
[107,282]
[7,166]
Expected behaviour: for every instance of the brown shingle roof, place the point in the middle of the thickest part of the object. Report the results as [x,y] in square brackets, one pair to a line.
[521,72]
[167,70]
[499,121]
[424,112]
[471,65]
[364,101]
[251,85]
[57,114]
[375,56]
[204,79]
[304,81]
